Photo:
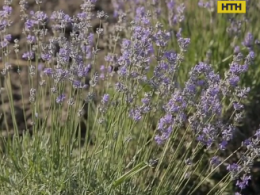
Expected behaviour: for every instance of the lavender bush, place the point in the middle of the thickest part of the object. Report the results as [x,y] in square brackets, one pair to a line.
[162,114]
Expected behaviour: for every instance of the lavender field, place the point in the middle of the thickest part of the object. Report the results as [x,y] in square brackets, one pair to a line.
[129,97]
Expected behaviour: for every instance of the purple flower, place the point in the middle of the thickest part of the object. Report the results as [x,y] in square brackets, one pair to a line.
[4,43]
[7,10]
[159,140]
[236,50]
[29,24]
[164,122]
[176,103]
[39,17]
[140,11]
[123,71]
[28,55]
[257,134]
[145,100]
[141,15]
[170,4]
[227,134]
[81,16]
[102,68]
[60,98]
[58,15]
[91,38]
[237,106]
[190,88]
[223,145]
[126,44]
[135,114]
[171,56]
[64,55]
[67,18]
[184,43]
[236,68]
[48,71]
[86,70]
[161,38]
[105,99]
[60,20]
[233,80]
[8,37]
[233,169]
[102,76]
[201,3]
[215,161]
[205,140]
[78,85]
[210,103]
[247,143]
[249,40]
[164,135]
[120,87]
[46,57]
[31,39]
[251,56]
[243,182]
[3,24]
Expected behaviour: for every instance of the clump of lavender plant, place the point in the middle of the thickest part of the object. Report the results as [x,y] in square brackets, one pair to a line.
[199,104]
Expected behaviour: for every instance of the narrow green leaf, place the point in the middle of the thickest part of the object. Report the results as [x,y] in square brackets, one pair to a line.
[141,166]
